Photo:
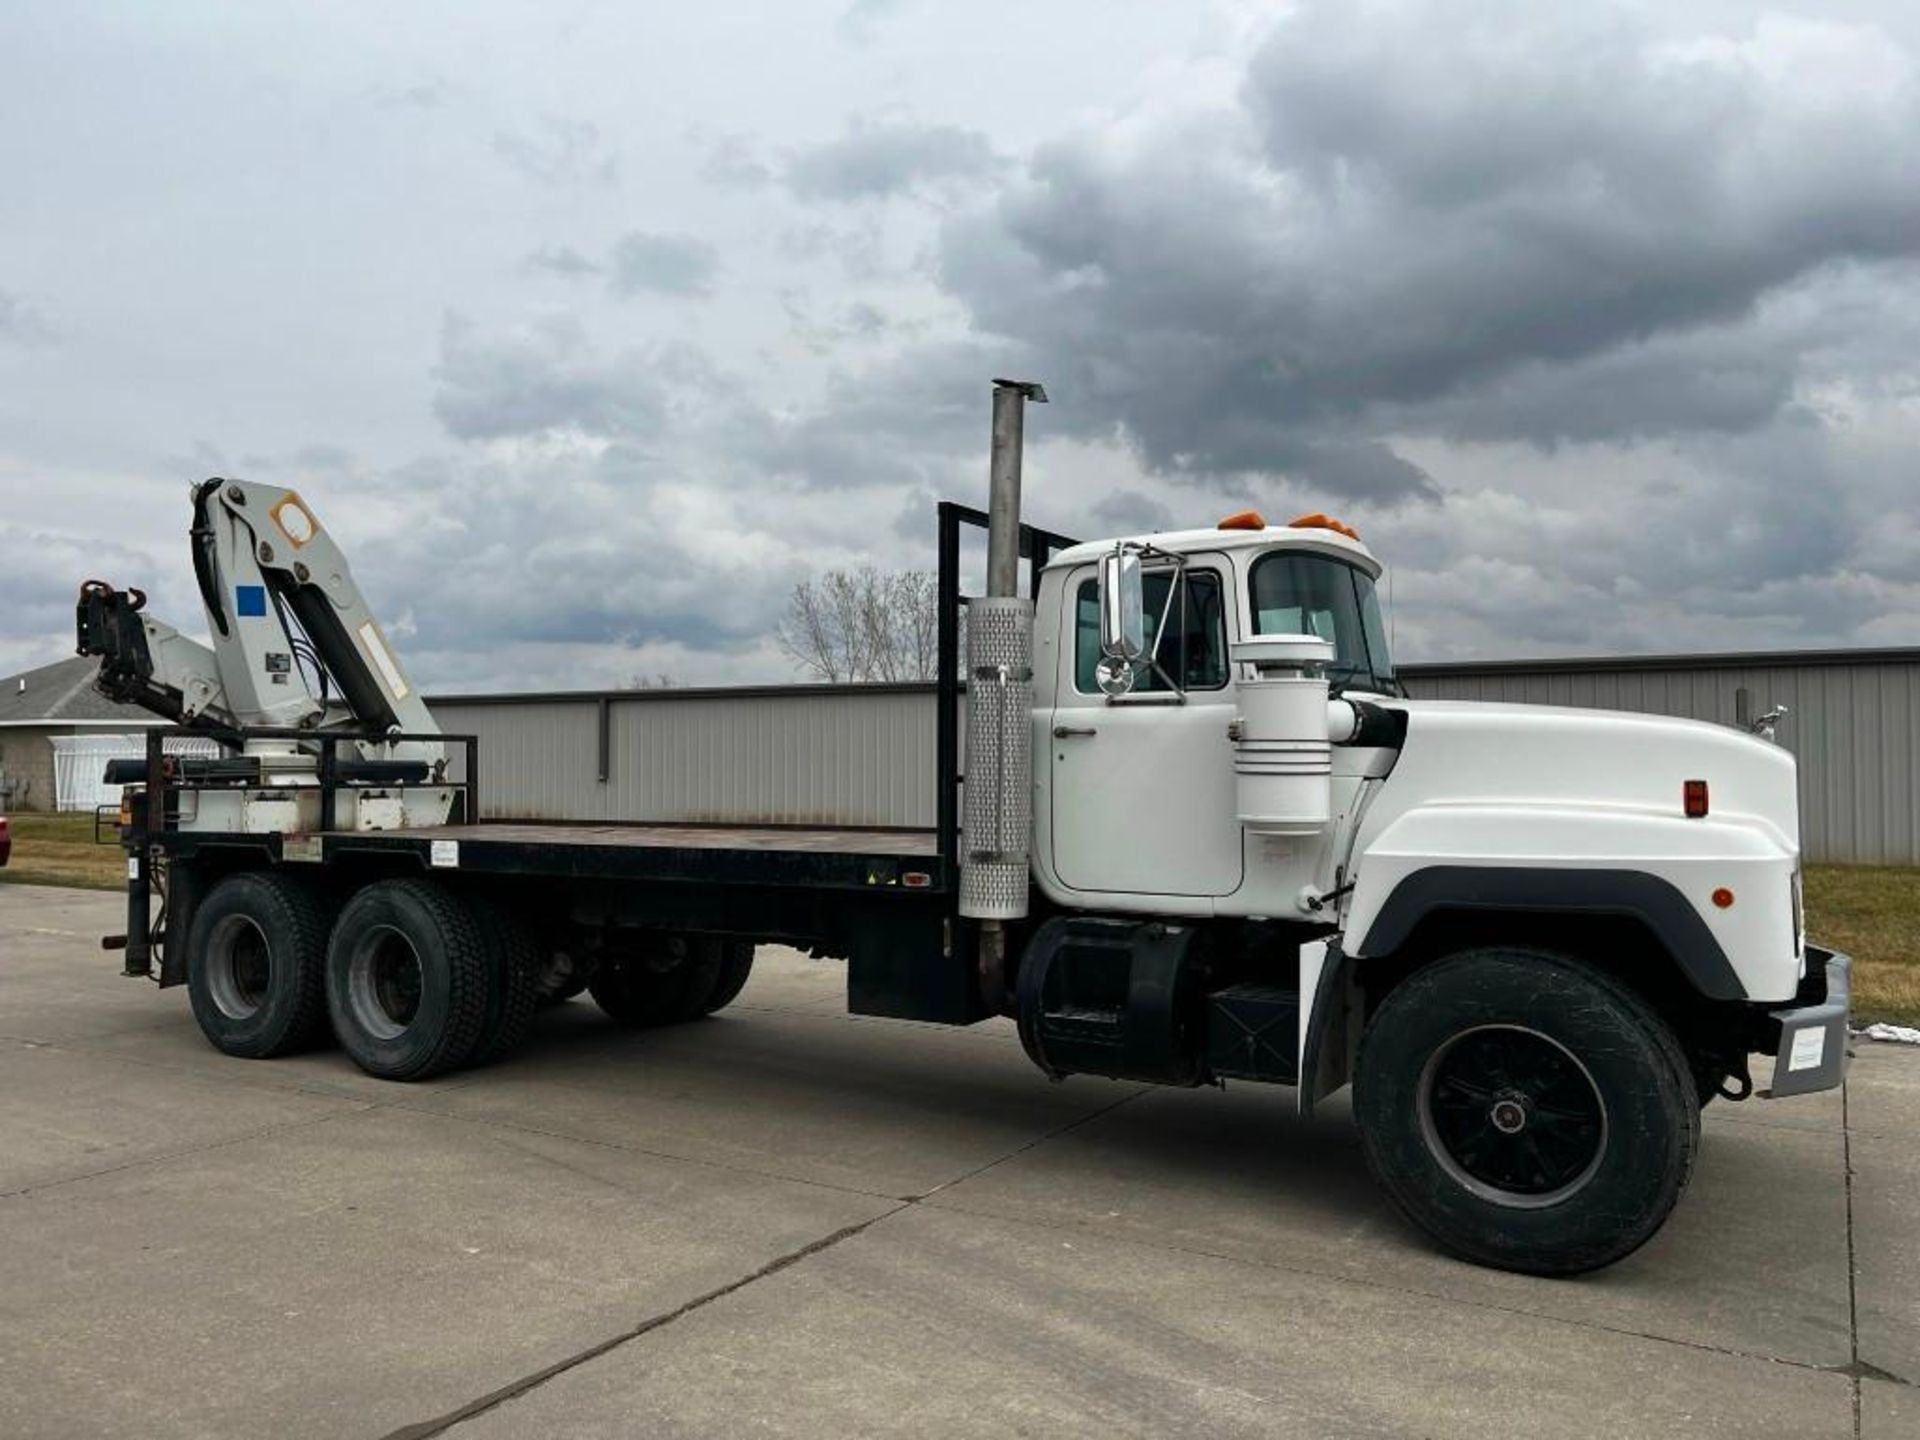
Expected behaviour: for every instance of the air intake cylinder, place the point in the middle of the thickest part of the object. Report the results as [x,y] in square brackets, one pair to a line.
[1282,758]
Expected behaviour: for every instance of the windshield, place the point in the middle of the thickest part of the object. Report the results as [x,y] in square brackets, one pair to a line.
[1297,592]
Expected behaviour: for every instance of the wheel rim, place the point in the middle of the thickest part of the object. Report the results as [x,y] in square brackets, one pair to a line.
[384,983]
[239,967]
[1512,1115]
[669,954]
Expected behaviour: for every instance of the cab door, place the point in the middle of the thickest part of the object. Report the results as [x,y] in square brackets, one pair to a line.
[1142,786]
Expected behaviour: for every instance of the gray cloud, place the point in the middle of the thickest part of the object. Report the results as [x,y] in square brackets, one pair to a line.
[662,265]
[1128,512]
[560,260]
[543,379]
[557,151]
[20,321]
[877,159]
[320,455]
[1403,225]
[1600,322]
[824,335]
[421,95]
[858,248]
[734,163]
[860,20]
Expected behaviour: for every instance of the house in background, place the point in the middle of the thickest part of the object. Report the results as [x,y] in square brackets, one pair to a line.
[58,702]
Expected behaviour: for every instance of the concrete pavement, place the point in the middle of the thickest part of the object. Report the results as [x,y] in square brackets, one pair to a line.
[790,1221]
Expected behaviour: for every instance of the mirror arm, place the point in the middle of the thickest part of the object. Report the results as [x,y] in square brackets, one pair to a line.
[1177,585]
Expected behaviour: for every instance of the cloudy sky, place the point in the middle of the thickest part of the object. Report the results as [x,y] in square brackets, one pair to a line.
[591,328]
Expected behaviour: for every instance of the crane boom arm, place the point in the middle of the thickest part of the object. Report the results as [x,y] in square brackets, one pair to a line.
[263,562]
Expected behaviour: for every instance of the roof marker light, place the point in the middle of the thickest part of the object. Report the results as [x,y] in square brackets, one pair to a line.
[1693,797]
[1318,521]
[1245,520]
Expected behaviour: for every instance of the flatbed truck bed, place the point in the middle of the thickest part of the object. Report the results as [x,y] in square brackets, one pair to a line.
[883,899]
[831,856]
[824,839]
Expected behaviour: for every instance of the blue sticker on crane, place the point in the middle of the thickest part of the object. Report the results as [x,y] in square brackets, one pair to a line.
[250,599]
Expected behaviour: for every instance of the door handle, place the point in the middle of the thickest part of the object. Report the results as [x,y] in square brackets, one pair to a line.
[1067,732]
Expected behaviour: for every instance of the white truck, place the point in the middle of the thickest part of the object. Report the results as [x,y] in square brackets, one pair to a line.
[1206,838]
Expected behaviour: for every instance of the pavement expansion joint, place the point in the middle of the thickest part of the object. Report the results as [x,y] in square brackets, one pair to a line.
[440,1425]
[426,1429]
[163,1157]
[1867,1370]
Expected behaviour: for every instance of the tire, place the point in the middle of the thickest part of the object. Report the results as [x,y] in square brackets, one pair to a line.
[659,980]
[409,972]
[256,966]
[1526,1111]
[514,992]
[736,964]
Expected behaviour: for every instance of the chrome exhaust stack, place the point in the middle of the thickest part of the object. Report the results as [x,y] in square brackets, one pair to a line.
[998,814]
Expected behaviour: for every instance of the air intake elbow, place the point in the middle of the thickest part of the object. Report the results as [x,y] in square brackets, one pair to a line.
[1356,722]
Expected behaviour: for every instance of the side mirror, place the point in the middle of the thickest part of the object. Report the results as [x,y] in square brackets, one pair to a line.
[1123,607]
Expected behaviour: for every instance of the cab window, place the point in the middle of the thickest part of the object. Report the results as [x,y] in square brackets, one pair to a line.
[1193,647]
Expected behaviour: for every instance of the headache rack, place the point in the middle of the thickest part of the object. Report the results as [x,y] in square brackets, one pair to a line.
[170,776]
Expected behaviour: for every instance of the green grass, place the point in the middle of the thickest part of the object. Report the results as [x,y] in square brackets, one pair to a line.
[1871,913]
[59,850]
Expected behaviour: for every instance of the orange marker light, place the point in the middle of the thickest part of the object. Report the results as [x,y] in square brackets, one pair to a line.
[1723,897]
[1245,520]
[1317,521]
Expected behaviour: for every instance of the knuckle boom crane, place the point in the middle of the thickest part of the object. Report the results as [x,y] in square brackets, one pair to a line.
[297,656]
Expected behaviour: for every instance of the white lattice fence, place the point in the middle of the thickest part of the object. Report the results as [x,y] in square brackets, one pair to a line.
[80,764]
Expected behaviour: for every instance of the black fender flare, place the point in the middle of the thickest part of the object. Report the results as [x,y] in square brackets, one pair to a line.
[1653,901]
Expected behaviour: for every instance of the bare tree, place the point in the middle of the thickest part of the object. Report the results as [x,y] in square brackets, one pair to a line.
[866,624]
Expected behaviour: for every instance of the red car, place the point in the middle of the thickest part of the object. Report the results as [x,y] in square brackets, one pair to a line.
[6,840]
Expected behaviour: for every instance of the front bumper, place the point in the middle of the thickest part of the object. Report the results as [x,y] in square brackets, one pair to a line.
[1812,1053]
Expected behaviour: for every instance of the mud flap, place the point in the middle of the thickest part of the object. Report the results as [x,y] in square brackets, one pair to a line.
[1330,1024]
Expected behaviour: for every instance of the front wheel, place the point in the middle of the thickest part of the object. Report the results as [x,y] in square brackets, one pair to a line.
[1526,1110]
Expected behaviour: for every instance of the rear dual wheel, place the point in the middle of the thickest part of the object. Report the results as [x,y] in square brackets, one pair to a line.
[660,979]
[421,980]
[256,960]
[410,978]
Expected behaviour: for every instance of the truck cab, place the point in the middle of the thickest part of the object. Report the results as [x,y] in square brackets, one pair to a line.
[1135,803]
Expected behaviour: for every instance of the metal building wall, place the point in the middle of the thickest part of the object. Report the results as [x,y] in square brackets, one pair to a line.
[795,755]
[864,755]
[1853,722]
